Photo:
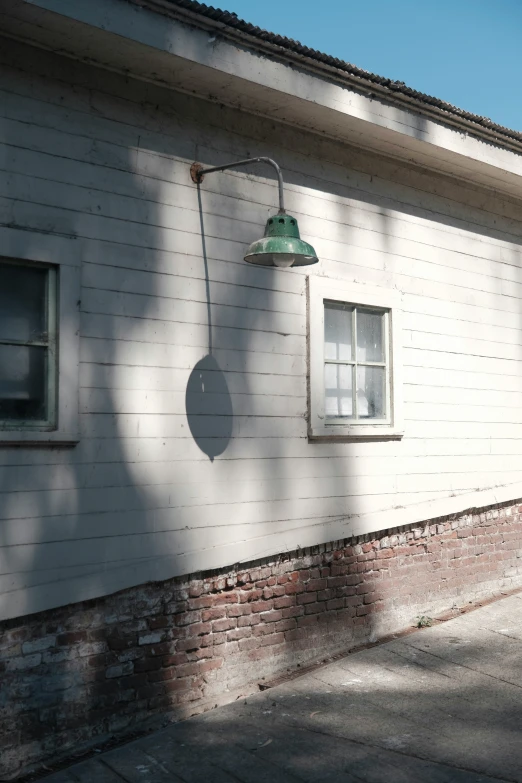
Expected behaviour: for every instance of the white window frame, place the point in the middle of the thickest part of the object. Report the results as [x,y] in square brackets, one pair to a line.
[321,290]
[64,429]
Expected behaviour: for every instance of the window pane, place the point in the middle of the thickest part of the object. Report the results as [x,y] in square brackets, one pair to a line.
[337,331]
[338,390]
[370,346]
[371,394]
[23,302]
[23,382]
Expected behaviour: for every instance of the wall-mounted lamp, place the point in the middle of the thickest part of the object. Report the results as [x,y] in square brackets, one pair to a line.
[281,245]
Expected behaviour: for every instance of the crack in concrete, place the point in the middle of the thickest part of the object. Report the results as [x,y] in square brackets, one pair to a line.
[111,769]
[409,755]
[469,668]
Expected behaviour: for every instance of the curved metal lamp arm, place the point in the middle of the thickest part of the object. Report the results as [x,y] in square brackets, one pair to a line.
[197,172]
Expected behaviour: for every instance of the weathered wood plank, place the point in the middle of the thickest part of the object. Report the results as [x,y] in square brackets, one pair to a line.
[128,213]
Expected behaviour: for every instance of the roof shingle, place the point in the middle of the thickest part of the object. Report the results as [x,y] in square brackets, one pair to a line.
[233,21]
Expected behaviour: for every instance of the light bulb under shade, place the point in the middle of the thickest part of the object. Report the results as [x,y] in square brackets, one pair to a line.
[281,260]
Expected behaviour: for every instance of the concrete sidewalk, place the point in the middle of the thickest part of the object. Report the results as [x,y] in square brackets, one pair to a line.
[442,705]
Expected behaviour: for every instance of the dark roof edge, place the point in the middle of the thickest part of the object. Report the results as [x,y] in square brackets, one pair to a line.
[364,81]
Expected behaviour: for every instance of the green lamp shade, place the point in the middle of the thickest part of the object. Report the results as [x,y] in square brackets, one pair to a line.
[281,245]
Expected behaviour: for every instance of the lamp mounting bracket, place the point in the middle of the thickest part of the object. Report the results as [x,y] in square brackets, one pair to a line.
[197,174]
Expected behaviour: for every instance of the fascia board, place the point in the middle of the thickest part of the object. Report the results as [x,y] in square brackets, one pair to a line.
[134,39]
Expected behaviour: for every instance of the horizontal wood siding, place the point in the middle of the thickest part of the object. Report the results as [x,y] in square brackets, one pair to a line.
[95,166]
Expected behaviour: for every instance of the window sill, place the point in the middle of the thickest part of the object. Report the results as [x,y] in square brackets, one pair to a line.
[28,438]
[355,432]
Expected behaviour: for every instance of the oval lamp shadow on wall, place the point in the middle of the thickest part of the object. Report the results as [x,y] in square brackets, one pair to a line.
[209,407]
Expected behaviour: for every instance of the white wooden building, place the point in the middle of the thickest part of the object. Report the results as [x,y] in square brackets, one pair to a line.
[118,465]
[218,468]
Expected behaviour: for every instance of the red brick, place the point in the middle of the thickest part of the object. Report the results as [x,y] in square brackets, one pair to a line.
[199,654]
[203,602]
[307,620]
[292,588]
[187,669]
[286,625]
[253,595]
[259,654]
[194,643]
[316,584]
[335,603]
[173,660]
[370,598]
[270,617]
[326,595]
[200,629]
[158,622]
[207,666]
[252,619]
[65,639]
[320,606]
[365,588]
[238,633]
[161,675]
[262,606]
[224,625]
[216,613]
[159,689]
[176,607]
[284,603]
[116,642]
[239,610]
[272,639]
[307,598]
[293,611]
[158,649]
[220,599]
[248,644]
[187,618]
[298,633]
[263,629]
[147,665]
[366,557]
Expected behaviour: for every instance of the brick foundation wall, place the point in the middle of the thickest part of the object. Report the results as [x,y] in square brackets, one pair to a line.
[77,675]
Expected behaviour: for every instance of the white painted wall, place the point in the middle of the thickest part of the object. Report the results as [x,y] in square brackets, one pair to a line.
[96,168]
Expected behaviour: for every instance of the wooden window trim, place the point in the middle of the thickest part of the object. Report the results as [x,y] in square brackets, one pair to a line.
[51,346]
[321,290]
[62,426]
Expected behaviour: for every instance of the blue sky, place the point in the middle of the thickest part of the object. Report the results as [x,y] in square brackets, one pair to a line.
[466,52]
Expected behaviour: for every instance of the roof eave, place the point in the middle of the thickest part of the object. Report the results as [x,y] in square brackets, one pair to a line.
[480,127]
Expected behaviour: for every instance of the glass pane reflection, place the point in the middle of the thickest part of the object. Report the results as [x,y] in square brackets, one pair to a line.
[23,383]
[23,302]
[338,390]
[371,393]
[338,331]
[370,346]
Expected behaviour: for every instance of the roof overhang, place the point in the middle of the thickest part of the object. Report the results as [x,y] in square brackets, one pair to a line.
[165,44]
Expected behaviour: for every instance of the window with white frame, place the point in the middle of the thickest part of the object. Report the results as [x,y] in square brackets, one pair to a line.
[354,360]
[28,338]
[39,350]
